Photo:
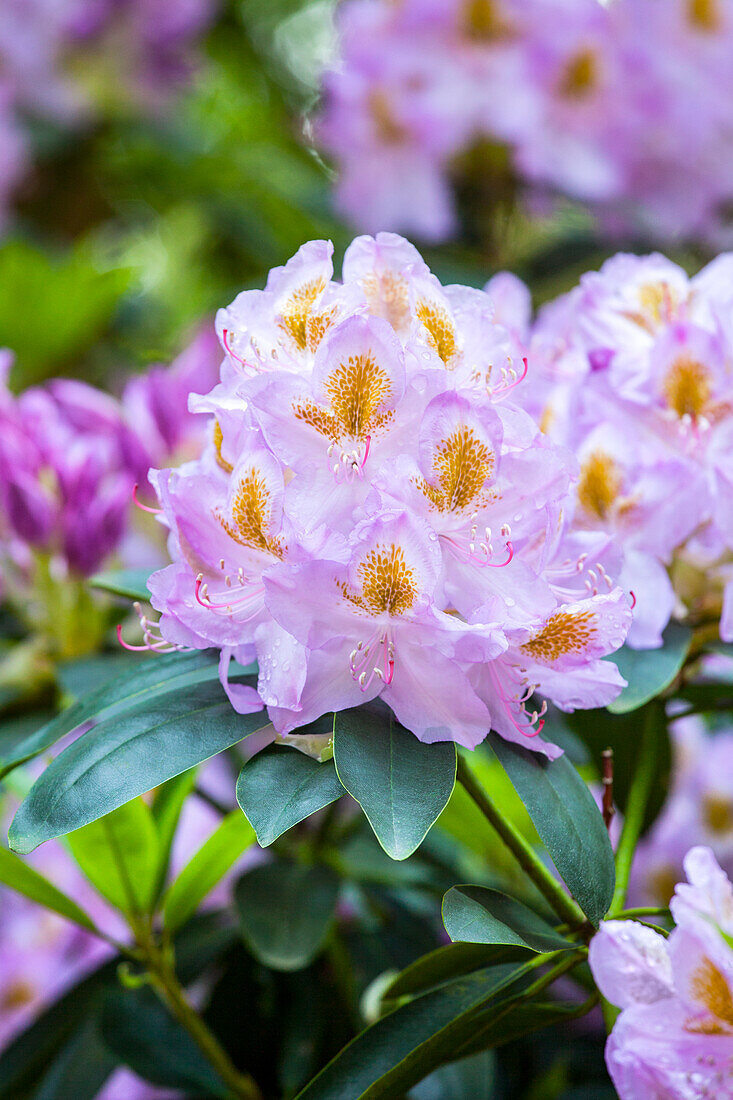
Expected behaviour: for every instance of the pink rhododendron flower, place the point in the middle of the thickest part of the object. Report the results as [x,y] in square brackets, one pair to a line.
[674,1037]
[619,105]
[632,372]
[699,809]
[372,517]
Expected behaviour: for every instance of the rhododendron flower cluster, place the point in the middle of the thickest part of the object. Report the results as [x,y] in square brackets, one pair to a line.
[622,106]
[633,372]
[143,47]
[70,456]
[674,1037]
[374,517]
[699,809]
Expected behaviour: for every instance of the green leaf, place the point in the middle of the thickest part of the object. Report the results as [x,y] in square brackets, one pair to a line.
[476,914]
[126,756]
[130,583]
[280,787]
[212,861]
[401,784]
[83,1065]
[470,1077]
[409,1043]
[568,821]
[285,912]
[650,671]
[170,672]
[141,1033]
[119,855]
[445,964]
[521,1019]
[25,880]
[167,805]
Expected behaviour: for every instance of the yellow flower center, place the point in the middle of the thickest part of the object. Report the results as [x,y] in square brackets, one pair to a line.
[462,464]
[388,583]
[251,517]
[297,310]
[357,390]
[388,297]
[709,986]
[440,328]
[580,76]
[717,812]
[705,15]
[482,20]
[687,387]
[599,485]
[389,130]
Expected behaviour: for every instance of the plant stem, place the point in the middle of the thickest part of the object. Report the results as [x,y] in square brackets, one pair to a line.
[636,804]
[524,853]
[644,911]
[170,991]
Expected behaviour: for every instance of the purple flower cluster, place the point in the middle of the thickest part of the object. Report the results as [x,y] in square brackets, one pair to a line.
[373,518]
[632,371]
[699,810]
[52,52]
[624,106]
[674,1037]
[70,456]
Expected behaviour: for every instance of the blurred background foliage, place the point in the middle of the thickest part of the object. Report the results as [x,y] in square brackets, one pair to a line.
[125,234]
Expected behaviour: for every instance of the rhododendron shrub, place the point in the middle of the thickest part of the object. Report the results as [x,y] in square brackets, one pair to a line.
[615,105]
[434,604]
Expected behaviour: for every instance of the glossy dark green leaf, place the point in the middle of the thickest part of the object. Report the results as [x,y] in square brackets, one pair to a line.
[233,836]
[119,854]
[445,964]
[170,672]
[403,1047]
[16,874]
[401,784]
[521,1019]
[126,756]
[141,1033]
[568,821]
[280,787]
[130,583]
[649,671]
[81,1067]
[285,912]
[473,1077]
[477,914]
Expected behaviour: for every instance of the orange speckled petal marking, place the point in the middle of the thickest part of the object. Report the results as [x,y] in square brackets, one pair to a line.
[564,633]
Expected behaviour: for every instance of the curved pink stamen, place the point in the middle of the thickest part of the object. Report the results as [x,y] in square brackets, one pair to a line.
[229,605]
[366,451]
[500,565]
[126,645]
[229,350]
[140,505]
[633,599]
[505,387]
